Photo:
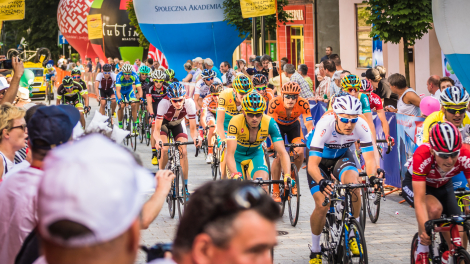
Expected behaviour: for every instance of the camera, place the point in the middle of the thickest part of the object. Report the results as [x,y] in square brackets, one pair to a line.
[7,65]
[157,251]
[274,64]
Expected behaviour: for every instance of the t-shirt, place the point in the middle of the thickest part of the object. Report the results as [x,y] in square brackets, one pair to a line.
[98,67]
[89,66]
[385,92]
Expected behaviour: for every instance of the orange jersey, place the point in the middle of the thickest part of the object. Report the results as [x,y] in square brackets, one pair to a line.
[268,97]
[210,104]
[279,113]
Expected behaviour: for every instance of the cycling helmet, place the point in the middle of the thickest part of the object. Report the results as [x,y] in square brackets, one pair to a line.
[454,96]
[76,72]
[290,88]
[175,90]
[67,81]
[259,79]
[127,68]
[144,69]
[216,88]
[170,73]
[445,137]
[158,75]
[253,103]
[107,68]
[207,74]
[347,105]
[366,85]
[351,81]
[49,66]
[242,84]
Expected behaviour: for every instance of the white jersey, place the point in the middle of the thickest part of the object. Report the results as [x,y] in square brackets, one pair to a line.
[202,89]
[330,144]
[167,111]
[100,79]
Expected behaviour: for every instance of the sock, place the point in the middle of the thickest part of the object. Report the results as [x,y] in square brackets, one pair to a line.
[316,243]
[186,182]
[275,188]
[120,123]
[210,150]
[135,124]
[154,152]
[421,248]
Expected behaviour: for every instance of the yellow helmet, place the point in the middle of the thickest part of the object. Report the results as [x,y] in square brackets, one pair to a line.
[254,103]
[242,84]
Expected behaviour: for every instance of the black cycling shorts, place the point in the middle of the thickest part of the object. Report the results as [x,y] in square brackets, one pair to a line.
[445,194]
[177,128]
[292,131]
[106,93]
[332,166]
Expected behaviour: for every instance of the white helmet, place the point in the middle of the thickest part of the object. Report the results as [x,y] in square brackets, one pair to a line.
[347,104]
[454,96]
[158,75]
[127,68]
[49,66]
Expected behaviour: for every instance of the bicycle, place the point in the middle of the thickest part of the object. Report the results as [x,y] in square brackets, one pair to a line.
[108,110]
[217,158]
[339,225]
[205,143]
[128,123]
[144,126]
[49,91]
[178,183]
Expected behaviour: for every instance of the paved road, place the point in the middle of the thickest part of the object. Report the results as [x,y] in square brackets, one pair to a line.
[388,241]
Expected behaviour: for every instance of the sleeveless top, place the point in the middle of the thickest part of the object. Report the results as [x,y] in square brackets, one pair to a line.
[407,109]
[7,164]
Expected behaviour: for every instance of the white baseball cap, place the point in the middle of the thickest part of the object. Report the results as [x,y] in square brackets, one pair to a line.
[3,83]
[93,182]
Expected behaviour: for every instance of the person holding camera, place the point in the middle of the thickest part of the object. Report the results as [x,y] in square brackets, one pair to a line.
[17,66]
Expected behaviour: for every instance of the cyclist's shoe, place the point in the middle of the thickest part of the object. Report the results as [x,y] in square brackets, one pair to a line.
[276,197]
[154,160]
[422,258]
[353,246]
[187,192]
[209,159]
[315,258]
[121,126]
[135,131]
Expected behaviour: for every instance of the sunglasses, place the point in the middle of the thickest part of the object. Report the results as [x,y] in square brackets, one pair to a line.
[347,120]
[158,81]
[144,74]
[215,94]
[177,100]
[68,87]
[23,127]
[454,111]
[261,88]
[106,72]
[2,92]
[127,74]
[252,115]
[209,79]
[291,96]
[76,76]
[350,90]
[444,155]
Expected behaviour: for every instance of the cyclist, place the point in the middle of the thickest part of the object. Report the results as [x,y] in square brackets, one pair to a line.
[427,185]
[156,92]
[246,133]
[330,155]
[171,112]
[105,83]
[203,86]
[71,93]
[170,76]
[208,113]
[145,80]
[50,75]
[286,110]
[77,77]
[229,106]
[260,83]
[126,80]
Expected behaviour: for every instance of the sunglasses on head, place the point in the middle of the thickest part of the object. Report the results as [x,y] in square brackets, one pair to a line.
[158,81]
[177,100]
[262,88]
[291,96]
[252,115]
[455,111]
[347,120]
[445,155]
[76,76]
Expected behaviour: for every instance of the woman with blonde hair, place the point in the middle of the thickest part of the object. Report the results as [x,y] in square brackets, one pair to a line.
[376,76]
[13,135]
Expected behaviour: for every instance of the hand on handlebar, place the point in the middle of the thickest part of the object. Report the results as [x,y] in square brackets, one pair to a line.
[159,144]
[425,240]
[288,178]
[380,173]
[390,140]
[236,176]
[326,187]
[198,142]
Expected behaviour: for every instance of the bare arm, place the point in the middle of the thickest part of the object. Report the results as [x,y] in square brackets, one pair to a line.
[156,132]
[413,99]
[419,190]
[230,156]
[220,124]
[283,155]
[12,91]
[194,133]
[188,78]
[154,205]
[383,120]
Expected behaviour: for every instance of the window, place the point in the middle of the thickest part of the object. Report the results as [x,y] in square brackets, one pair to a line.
[364,42]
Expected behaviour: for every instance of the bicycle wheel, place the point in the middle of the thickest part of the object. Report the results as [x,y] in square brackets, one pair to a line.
[48,94]
[125,125]
[205,147]
[294,197]
[215,164]
[181,192]
[462,257]
[133,136]
[363,215]
[348,256]
[171,197]
[147,128]
[373,204]
[142,127]
[414,247]
[110,115]
[283,194]
[327,241]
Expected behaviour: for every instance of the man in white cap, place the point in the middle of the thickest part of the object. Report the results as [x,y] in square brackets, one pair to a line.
[3,87]
[91,207]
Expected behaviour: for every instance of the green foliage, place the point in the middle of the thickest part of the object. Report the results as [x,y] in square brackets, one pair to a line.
[233,16]
[397,19]
[41,20]
[143,42]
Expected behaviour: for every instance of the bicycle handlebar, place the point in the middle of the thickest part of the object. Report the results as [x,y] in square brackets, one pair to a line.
[455,219]
[389,144]
[176,143]
[461,192]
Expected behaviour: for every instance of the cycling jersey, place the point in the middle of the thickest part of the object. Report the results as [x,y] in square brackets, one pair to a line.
[375,102]
[423,166]
[330,144]
[167,111]
[126,85]
[203,89]
[268,97]
[104,83]
[83,84]
[227,104]
[439,116]
[209,103]
[238,130]
[156,94]
[49,74]
[279,113]
[71,98]
[364,102]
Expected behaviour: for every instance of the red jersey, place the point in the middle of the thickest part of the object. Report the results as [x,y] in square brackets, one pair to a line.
[375,102]
[423,166]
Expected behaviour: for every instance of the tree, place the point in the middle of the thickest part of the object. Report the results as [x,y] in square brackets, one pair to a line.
[39,27]
[143,42]
[233,16]
[394,20]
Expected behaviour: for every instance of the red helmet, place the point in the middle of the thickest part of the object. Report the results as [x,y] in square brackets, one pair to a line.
[445,137]
[366,86]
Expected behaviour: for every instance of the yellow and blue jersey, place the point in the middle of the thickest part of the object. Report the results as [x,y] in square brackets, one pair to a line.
[126,85]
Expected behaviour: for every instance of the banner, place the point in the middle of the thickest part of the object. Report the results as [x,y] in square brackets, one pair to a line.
[95,28]
[12,10]
[409,129]
[447,71]
[377,54]
[157,55]
[257,8]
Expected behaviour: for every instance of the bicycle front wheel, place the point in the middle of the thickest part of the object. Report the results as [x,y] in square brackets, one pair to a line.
[133,129]
[357,234]
[125,125]
[373,204]
[462,257]
[268,164]
[171,197]
[182,191]
[363,214]
[414,247]
[327,241]
[294,197]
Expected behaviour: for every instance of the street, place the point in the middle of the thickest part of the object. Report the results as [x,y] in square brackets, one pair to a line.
[388,241]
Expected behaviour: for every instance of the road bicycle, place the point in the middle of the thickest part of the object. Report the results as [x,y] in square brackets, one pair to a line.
[217,158]
[49,91]
[108,110]
[205,143]
[128,123]
[144,125]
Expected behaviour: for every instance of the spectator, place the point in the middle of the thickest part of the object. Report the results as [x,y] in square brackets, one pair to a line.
[22,97]
[305,91]
[137,64]
[149,63]
[251,60]
[258,67]
[115,62]
[188,69]
[80,67]
[228,73]
[445,82]
[110,61]
[12,125]
[61,60]
[64,65]
[51,126]
[330,70]
[89,65]
[284,61]
[324,80]
[198,63]
[98,65]
[337,60]
[329,49]
[239,223]
[276,82]
[241,67]
[209,64]
[303,70]
[381,87]
[94,231]
[433,86]
[409,100]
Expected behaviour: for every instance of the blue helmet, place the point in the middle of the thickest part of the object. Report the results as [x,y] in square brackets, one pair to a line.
[208,74]
[175,90]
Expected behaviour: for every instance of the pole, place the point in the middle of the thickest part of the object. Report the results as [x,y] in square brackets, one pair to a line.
[254,44]
[278,47]
[263,37]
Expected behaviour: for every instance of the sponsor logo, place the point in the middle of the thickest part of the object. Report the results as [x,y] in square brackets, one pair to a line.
[242,130]
[231,137]
[187,8]
[465,161]
[232,129]
[408,191]
[333,141]
[346,159]
[364,127]
[334,133]
[424,164]
[323,132]
[339,146]
[309,119]
[230,101]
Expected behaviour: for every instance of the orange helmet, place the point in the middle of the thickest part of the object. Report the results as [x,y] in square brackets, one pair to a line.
[290,88]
